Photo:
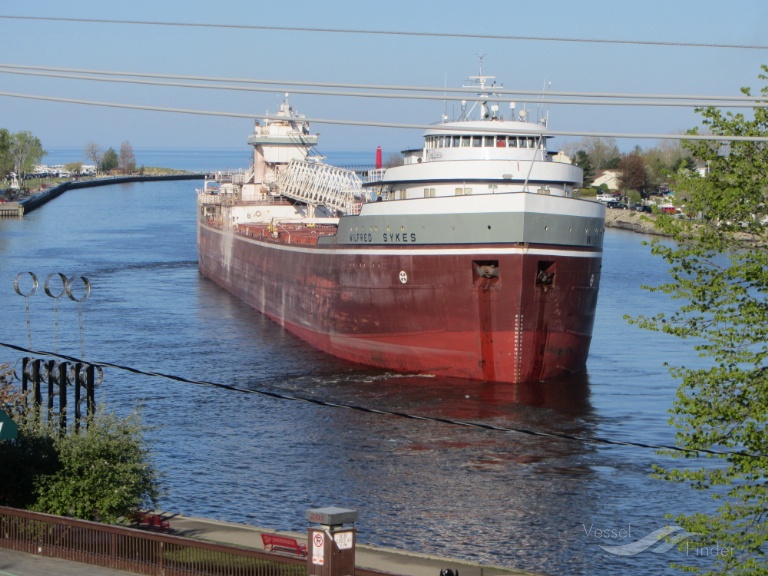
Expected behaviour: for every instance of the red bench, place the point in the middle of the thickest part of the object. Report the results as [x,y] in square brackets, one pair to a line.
[275,543]
[149,521]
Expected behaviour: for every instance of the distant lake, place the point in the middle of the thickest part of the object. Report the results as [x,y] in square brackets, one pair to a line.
[201,159]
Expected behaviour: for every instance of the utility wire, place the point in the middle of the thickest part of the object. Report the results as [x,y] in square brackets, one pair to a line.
[495,90]
[357,408]
[495,129]
[483,36]
[544,98]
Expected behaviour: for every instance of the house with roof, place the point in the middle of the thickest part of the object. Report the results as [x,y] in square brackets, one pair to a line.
[608,177]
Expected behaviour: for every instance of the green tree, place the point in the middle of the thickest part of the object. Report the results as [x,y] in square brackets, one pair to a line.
[109,161]
[583,161]
[101,472]
[104,472]
[719,274]
[25,151]
[6,164]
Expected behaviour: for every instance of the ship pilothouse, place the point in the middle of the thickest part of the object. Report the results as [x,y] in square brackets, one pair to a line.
[482,153]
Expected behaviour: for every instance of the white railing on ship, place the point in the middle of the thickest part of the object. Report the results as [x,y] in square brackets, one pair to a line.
[374,175]
[208,198]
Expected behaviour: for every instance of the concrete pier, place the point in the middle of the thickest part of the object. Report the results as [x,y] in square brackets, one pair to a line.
[22,207]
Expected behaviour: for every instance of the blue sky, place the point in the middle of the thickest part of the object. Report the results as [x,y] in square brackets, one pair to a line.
[370,59]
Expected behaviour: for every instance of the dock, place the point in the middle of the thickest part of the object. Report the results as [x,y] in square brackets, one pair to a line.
[11,210]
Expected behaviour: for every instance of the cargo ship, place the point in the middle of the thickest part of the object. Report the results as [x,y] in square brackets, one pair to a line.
[473,257]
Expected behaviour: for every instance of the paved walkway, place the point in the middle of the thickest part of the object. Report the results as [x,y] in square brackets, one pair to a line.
[374,558]
[13,563]
[383,559]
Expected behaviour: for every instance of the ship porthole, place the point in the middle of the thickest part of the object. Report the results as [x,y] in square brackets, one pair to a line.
[403,277]
[258,214]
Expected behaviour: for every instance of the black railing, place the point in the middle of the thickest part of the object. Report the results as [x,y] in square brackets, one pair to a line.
[139,551]
[124,548]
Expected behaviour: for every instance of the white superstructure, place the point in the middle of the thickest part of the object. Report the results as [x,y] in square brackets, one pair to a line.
[486,154]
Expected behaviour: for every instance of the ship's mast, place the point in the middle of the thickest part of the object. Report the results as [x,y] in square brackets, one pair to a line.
[480,82]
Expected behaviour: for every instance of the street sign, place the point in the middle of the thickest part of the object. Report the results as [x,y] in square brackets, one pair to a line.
[9,430]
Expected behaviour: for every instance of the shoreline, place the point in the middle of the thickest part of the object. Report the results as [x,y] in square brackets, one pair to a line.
[632,221]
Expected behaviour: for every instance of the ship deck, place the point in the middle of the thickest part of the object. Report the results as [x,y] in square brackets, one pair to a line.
[286,233]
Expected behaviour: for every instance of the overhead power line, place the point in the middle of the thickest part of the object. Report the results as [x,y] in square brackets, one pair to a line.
[494,94]
[492,128]
[454,35]
[498,90]
[358,408]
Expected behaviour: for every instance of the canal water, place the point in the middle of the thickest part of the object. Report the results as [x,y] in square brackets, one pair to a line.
[540,503]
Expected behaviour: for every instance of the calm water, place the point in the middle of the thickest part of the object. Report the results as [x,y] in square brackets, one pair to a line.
[499,498]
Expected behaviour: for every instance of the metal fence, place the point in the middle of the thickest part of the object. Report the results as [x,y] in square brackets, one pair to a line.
[139,551]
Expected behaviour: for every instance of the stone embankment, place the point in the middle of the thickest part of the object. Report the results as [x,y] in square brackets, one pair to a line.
[631,220]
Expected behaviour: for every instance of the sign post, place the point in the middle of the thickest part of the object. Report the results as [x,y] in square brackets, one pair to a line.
[332,545]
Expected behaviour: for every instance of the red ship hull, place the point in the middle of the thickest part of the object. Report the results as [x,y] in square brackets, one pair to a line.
[423,309]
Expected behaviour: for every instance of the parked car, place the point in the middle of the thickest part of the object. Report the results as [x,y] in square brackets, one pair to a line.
[616,205]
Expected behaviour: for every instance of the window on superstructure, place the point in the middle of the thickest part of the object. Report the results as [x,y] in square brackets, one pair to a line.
[489,142]
[403,195]
[513,141]
[465,141]
[501,141]
[429,192]
[456,141]
[459,191]
[477,141]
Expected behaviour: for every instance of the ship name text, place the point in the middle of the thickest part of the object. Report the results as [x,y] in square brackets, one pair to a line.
[361,237]
[403,237]
[387,237]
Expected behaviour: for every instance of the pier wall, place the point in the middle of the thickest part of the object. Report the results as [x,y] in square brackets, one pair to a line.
[33,202]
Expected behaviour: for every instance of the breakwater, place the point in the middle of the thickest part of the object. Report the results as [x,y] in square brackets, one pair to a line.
[33,202]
